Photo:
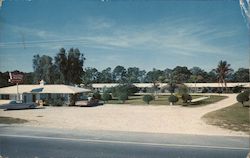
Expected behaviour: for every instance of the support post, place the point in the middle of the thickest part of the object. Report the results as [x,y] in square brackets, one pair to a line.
[17,90]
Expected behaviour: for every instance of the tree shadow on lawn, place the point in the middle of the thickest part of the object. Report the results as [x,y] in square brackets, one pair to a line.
[234,117]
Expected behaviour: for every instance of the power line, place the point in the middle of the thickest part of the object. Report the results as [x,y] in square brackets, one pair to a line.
[64,40]
[42,43]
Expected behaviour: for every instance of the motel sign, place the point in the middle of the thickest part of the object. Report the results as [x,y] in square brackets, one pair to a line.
[16,77]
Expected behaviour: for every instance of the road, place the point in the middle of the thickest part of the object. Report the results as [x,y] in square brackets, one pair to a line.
[28,142]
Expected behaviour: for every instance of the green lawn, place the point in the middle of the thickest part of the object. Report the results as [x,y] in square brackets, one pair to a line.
[163,100]
[235,117]
[10,120]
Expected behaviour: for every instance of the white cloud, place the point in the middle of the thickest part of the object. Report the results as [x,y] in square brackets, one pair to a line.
[30,32]
[182,36]
[186,40]
[98,23]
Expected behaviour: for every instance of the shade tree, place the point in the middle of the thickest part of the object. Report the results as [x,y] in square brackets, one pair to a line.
[181,74]
[70,65]
[119,74]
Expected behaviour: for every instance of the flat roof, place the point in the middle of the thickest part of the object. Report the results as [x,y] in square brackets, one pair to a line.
[143,85]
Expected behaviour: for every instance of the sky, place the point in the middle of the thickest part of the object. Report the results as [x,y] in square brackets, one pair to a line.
[142,33]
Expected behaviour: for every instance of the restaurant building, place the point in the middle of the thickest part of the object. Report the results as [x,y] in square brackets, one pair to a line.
[42,91]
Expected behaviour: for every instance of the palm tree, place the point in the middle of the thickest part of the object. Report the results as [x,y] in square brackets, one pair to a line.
[223,70]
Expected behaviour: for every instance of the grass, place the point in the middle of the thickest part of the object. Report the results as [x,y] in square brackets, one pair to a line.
[235,117]
[11,120]
[137,100]
[163,100]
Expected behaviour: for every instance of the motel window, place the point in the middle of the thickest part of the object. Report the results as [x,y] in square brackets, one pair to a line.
[5,96]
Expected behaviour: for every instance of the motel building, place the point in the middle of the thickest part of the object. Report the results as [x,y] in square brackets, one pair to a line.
[42,91]
[193,87]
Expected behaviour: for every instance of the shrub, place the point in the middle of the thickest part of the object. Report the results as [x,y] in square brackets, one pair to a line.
[219,90]
[247,92]
[132,89]
[242,97]
[182,89]
[73,99]
[204,90]
[186,98]
[108,90]
[213,90]
[163,90]
[106,96]
[56,102]
[124,88]
[172,87]
[237,89]
[123,97]
[150,90]
[119,89]
[147,98]
[114,91]
[97,95]
[173,99]
[144,90]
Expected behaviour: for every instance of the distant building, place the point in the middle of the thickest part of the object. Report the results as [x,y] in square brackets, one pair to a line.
[194,87]
[42,91]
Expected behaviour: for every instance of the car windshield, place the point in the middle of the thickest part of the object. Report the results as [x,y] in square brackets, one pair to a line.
[13,102]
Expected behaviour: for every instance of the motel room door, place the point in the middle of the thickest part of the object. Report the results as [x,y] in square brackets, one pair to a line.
[34,98]
[24,98]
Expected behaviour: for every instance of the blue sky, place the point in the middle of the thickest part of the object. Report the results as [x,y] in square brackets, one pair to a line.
[145,33]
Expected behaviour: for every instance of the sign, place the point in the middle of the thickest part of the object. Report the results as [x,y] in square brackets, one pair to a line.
[16,77]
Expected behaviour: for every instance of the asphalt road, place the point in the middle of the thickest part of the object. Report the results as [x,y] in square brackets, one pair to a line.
[20,142]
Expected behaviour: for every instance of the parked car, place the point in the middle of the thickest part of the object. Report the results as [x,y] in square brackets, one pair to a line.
[87,103]
[13,105]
